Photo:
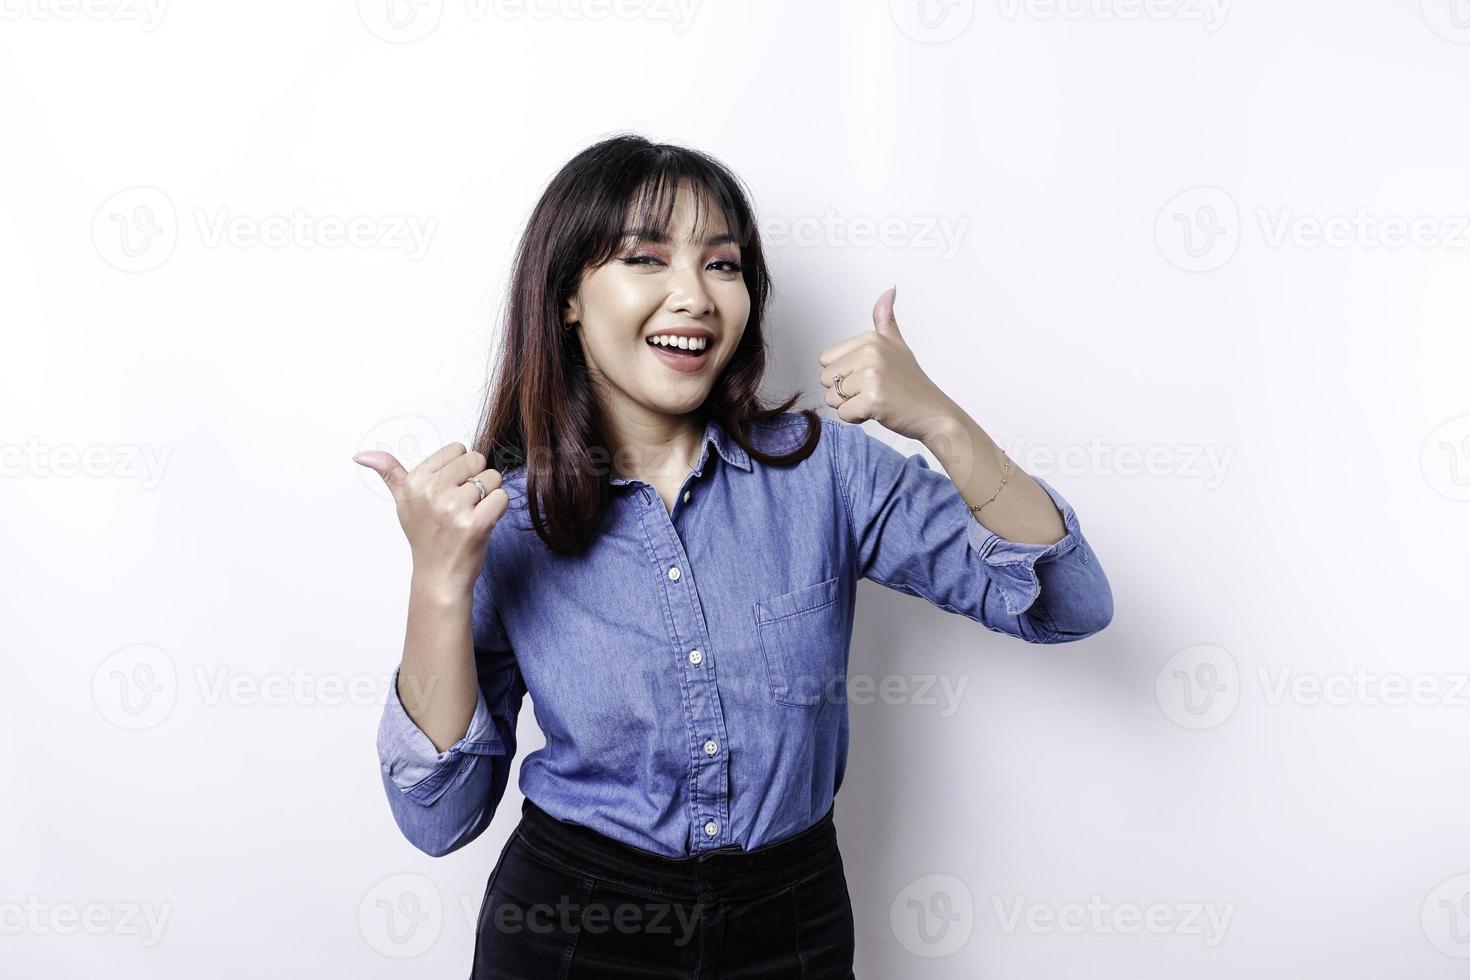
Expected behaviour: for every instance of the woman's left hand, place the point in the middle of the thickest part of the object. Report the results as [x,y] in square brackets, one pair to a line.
[884,380]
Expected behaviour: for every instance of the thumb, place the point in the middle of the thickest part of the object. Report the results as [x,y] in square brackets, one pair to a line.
[385,465]
[883,319]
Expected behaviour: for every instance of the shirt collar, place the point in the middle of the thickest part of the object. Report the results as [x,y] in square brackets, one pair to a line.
[726,446]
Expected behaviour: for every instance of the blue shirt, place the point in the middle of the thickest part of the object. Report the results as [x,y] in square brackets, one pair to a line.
[689,669]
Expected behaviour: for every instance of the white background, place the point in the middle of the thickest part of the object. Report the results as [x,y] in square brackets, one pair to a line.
[1265,433]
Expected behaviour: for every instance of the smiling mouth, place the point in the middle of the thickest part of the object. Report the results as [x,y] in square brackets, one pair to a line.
[673,348]
[685,360]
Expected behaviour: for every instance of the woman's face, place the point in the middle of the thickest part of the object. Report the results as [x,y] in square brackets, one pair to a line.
[688,293]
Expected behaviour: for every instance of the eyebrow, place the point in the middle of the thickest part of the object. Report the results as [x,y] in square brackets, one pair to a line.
[654,235]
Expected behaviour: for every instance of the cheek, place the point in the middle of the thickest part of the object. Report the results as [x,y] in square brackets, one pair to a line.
[628,298]
[737,315]
[618,303]
[626,294]
[613,320]
[733,300]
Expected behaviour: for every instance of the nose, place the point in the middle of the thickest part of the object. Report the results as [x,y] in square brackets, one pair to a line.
[687,293]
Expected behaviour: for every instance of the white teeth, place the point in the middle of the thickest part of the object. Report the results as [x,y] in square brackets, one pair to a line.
[684,343]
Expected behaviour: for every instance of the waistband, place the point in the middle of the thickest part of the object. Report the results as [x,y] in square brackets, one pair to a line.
[727,872]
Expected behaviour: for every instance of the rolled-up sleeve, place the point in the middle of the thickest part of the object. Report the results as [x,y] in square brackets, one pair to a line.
[913,532]
[443,800]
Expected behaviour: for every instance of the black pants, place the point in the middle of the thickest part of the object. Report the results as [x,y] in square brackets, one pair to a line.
[567,902]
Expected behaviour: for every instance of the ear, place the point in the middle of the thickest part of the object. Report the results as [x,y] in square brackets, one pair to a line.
[571,312]
[883,319]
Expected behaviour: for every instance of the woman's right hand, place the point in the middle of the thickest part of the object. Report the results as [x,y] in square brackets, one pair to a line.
[441,512]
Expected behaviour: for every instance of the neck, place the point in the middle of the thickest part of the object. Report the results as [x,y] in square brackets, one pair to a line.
[647,446]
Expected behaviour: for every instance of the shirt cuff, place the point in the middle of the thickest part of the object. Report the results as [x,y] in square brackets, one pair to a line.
[1013,563]
[409,758]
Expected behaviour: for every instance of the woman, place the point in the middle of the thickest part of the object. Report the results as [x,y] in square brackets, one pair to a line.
[676,588]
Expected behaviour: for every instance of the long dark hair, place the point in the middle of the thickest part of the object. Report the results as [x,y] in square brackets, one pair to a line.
[539,411]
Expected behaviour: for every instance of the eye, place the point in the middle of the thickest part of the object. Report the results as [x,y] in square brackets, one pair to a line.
[730,265]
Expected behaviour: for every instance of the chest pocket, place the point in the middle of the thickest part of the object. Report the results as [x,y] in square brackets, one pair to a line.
[801,634]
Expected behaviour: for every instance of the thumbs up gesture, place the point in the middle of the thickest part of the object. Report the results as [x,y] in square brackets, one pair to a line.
[442,512]
[882,380]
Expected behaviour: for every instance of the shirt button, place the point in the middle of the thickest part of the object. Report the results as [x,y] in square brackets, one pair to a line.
[711,828]
[687,495]
[711,746]
[696,657]
[674,573]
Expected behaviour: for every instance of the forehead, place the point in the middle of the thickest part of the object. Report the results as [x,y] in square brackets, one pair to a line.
[659,216]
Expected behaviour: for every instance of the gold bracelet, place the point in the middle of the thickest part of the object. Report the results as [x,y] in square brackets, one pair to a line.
[1005,475]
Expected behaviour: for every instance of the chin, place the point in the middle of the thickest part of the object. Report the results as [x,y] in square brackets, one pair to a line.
[681,402]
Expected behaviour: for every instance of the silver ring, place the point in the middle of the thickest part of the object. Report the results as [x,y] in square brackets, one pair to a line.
[837,383]
[478,486]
